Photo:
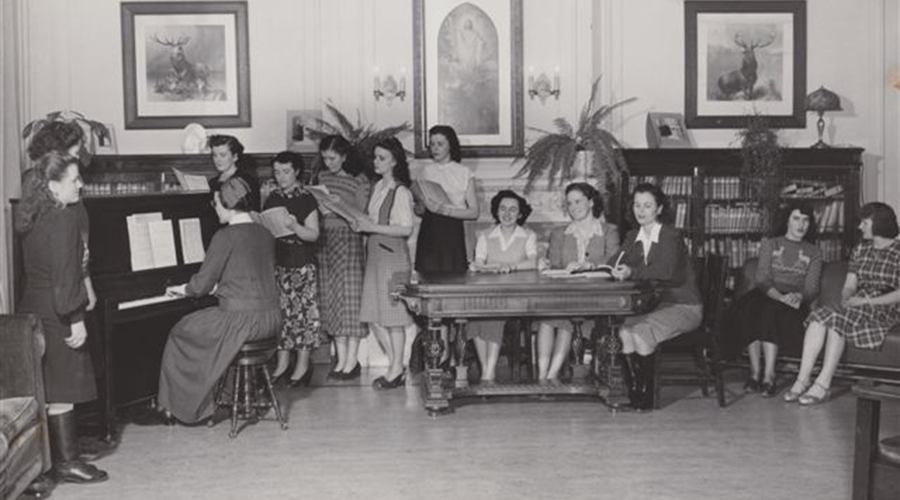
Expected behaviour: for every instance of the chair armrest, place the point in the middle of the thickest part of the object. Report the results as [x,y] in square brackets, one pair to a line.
[21,350]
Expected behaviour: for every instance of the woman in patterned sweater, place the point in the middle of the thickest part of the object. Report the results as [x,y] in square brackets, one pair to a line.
[868,310]
[770,317]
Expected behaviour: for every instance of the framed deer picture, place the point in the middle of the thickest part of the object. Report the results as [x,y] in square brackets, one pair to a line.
[185,62]
[744,58]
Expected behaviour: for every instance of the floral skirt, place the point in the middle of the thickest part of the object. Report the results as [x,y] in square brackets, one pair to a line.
[300,307]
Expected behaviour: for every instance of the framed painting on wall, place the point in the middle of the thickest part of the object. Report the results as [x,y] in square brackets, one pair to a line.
[468,74]
[185,62]
[745,58]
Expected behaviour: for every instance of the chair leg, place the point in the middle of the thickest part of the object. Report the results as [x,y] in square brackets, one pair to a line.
[651,378]
[235,399]
[703,369]
[271,391]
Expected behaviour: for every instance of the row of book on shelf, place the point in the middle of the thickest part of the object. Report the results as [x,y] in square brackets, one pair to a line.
[671,185]
[738,250]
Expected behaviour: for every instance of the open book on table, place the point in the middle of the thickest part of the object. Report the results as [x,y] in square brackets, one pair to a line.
[276,220]
[334,203]
[600,271]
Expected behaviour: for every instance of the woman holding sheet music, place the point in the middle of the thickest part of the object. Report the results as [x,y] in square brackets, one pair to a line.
[770,317]
[654,252]
[341,255]
[586,242]
[295,269]
[227,154]
[389,224]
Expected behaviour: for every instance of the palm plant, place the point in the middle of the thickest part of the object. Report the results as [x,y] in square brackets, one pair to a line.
[93,130]
[554,154]
[363,137]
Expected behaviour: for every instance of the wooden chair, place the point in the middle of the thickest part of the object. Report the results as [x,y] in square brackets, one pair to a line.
[700,343]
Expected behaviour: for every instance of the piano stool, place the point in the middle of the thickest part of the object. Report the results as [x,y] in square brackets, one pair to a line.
[247,400]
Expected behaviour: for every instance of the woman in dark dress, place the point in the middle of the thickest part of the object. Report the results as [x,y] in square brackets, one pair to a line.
[239,268]
[53,253]
[869,306]
[654,252]
[295,258]
[228,157]
[770,317]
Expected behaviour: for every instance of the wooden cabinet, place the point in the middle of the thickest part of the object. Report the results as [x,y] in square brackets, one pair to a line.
[717,213]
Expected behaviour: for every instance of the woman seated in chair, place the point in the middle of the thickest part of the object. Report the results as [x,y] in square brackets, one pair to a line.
[654,252]
[868,310]
[239,269]
[771,315]
[505,248]
[586,242]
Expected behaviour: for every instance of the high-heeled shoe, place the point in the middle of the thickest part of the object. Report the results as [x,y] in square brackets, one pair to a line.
[383,383]
[808,399]
[304,380]
[352,374]
[793,395]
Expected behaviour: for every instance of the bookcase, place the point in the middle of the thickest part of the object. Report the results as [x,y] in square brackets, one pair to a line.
[716,212]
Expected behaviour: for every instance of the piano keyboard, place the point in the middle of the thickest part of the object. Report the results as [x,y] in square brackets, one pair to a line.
[146,301]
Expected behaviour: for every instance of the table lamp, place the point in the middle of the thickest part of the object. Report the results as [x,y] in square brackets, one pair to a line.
[820,101]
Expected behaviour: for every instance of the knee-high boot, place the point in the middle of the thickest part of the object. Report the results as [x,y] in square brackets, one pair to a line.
[67,465]
[648,377]
[631,378]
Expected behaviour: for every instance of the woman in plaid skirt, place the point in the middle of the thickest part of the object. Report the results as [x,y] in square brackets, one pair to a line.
[388,265]
[868,310]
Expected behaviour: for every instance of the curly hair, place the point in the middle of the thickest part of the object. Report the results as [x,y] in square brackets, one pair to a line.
[448,132]
[784,216]
[352,163]
[401,169]
[589,192]
[524,206]
[291,157]
[662,201]
[54,136]
[37,199]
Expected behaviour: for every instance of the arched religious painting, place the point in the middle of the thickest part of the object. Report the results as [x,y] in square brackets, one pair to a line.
[468,67]
[468,73]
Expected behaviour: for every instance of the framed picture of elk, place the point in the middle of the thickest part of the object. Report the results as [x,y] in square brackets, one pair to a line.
[745,58]
[185,62]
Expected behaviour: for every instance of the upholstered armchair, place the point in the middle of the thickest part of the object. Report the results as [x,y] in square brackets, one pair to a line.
[24,448]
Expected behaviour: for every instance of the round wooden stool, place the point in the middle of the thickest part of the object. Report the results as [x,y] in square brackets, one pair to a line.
[248,398]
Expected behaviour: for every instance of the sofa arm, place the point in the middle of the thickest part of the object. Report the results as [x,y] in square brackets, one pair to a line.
[21,350]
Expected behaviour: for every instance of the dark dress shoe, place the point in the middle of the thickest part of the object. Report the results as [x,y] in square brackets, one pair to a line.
[41,487]
[334,374]
[352,374]
[768,389]
[303,381]
[93,448]
[751,385]
[152,417]
[383,383]
[76,471]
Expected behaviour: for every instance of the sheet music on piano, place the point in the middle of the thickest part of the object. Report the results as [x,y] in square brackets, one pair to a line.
[191,240]
[151,241]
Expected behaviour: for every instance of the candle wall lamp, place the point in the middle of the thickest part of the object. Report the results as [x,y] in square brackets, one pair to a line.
[541,87]
[389,87]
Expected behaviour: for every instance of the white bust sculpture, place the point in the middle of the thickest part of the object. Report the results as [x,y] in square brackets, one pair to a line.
[194,139]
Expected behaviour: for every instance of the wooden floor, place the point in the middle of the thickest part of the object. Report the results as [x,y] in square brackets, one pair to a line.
[349,441]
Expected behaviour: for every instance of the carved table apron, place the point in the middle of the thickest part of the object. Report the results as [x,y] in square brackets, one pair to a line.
[525,294]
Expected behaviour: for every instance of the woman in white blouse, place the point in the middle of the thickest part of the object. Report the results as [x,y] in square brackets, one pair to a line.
[388,265]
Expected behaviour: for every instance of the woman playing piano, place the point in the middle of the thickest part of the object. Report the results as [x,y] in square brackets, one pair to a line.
[505,248]
[53,253]
[586,242]
[654,252]
[389,224]
[227,154]
[295,258]
[239,268]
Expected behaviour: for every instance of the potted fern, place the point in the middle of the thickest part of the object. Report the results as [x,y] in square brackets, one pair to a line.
[363,137]
[586,150]
[761,165]
[93,130]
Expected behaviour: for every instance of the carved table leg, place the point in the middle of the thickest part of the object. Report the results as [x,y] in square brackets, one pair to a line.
[612,385]
[436,400]
[459,352]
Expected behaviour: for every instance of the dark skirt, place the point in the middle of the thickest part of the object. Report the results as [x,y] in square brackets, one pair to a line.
[441,247]
[299,307]
[756,316]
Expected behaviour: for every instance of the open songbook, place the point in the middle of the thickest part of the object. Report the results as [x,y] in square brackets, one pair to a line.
[601,271]
[275,219]
[422,188]
[334,203]
[191,182]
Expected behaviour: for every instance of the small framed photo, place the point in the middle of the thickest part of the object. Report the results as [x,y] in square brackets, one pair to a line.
[298,123]
[106,144]
[667,130]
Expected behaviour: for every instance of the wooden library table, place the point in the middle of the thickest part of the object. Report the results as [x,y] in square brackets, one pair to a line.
[524,294]
[875,477]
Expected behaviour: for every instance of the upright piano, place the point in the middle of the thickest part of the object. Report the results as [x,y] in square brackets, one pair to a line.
[133,315]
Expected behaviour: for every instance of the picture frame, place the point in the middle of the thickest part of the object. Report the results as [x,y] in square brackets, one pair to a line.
[667,130]
[467,60]
[297,128]
[106,145]
[185,62]
[745,58]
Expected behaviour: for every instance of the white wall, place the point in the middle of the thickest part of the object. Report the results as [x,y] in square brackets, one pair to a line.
[305,51]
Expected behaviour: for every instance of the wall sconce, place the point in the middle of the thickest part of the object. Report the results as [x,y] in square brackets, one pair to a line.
[390,88]
[541,87]
[820,101]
